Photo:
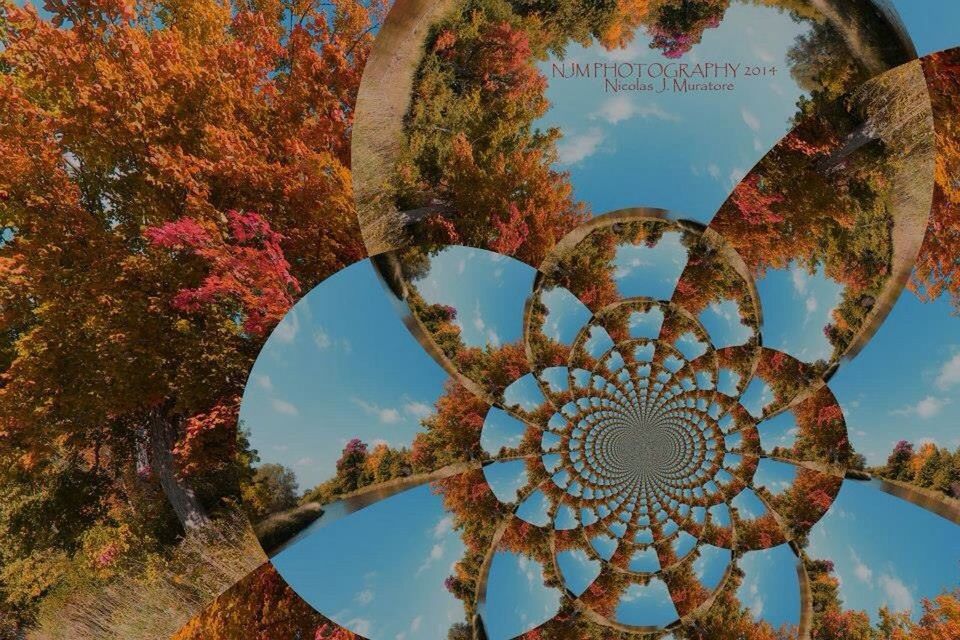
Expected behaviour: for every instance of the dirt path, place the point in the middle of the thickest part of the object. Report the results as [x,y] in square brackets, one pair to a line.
[910,203]
[382,103]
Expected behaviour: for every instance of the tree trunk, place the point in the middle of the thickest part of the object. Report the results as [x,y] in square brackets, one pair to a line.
[859,138]
[162,434]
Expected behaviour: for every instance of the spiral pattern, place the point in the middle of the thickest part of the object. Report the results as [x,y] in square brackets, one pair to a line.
[640,436]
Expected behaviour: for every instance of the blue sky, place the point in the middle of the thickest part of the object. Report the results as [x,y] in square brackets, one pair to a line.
[931,23]
[770,588]
[517,599]
[724,325]
[682,152]
[648,605]
[579,569]
[905,384]
[796,306]
[886,551]
[651,272]
[340,365]
[685,152]
[380,571]
[565,314]
[488,291]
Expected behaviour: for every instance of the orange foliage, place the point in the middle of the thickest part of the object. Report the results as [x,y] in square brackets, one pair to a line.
[261,607]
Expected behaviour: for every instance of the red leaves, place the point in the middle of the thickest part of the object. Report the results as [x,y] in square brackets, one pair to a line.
[95,13]
[445,42]
[246,268]
[209,439]
[754,205]
[184,235]
[512,231]
[828,415]
[506,66]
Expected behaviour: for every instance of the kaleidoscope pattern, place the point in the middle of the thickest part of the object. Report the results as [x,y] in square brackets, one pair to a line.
[635,427]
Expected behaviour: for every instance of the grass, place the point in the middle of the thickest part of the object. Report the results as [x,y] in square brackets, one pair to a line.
[274,531]
[157,597]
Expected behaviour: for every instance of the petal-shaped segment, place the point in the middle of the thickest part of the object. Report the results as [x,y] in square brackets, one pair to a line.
[647,605]
[770,588]
[517,599]
[507,479]
[827,289]
[578,568]
[466,307]
[874,570]
[391,561]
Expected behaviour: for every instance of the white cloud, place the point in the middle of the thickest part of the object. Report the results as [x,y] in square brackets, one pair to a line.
[629,53]
[736,175]
[811,305]
[749,119]
[616,109]
[418,410]
[415,624]
[756,607]
[389,416]
[288,328]
[386,415]
[303,462]
[321,338]
[436,552]
[800,279]
[529,569]
[443,527]
[949,373]
[577,148]
[360,626]
[764,55]
[898,594]
[927,408]
[264,381]
[622,107]
[284,407]
[364,597]
[714,171]
[862,571]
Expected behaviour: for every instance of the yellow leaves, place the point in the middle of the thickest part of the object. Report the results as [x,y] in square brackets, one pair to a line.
[920,457]
[628,16]
[198,20]
[30,577]
[28,461]
[13,271]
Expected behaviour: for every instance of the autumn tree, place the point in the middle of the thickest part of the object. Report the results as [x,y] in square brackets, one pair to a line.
[678,25]
[175,174]
[272,489]
[261,607]
[898,462]
[471,152]
[830,620]
[938,271]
